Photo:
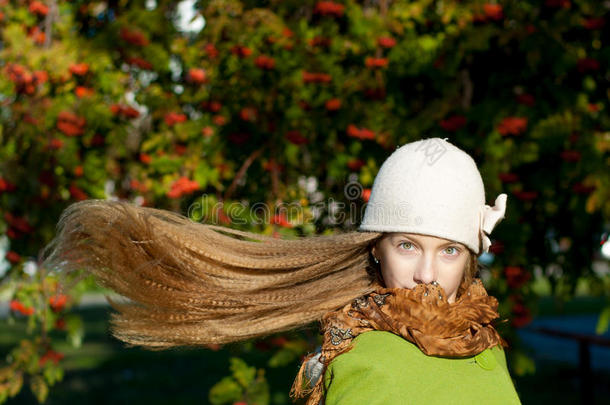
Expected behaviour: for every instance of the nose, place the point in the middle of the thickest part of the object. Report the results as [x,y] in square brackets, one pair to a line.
[425,272]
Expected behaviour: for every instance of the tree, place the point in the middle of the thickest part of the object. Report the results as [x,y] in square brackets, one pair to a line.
[296,104]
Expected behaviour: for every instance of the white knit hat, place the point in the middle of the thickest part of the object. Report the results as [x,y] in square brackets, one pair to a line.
[431,187]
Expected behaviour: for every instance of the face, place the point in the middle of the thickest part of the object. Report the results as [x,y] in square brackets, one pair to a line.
[408,259]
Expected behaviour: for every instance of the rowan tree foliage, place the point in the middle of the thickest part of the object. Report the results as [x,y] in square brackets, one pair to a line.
[296,104]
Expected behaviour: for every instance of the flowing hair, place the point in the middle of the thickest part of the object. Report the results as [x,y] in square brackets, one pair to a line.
[188,283]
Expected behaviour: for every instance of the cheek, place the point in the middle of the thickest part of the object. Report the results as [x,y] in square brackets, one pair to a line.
[397,273]
[454,276]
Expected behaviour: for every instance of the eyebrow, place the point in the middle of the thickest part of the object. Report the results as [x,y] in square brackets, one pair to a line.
[404,235]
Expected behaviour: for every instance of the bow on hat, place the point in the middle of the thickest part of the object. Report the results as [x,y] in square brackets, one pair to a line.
[490,216]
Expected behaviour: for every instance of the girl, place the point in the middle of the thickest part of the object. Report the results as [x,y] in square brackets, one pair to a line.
[404,320]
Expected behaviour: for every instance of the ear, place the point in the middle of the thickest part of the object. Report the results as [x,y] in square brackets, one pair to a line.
[374,251]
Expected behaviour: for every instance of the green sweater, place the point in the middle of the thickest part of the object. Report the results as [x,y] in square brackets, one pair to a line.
[383,368]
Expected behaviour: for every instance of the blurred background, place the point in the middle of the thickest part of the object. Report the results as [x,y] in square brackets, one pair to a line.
[274,116]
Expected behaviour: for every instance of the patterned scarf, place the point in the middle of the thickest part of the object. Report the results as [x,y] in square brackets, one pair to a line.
[421,315]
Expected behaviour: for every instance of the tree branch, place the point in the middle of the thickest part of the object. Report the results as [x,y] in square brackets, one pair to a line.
[48,23]
[242,171]
[467,89]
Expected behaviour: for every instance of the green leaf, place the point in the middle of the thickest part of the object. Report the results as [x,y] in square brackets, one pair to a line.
[522,364]
[224,392]
[258,394]
[15,384]
[39,388]
[202,174]
[166,164]
[603,321]
[243,373]
[53,373]
[283,357]
[76,331]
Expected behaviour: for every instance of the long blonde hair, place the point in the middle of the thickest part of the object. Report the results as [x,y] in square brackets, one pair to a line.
[189,283]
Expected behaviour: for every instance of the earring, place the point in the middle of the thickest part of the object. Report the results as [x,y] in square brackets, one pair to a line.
[376,260]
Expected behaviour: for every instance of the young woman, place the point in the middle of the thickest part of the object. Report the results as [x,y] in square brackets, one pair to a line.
[403,316]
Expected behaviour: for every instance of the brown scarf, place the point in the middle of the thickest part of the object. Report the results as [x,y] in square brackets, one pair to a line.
[421,315]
